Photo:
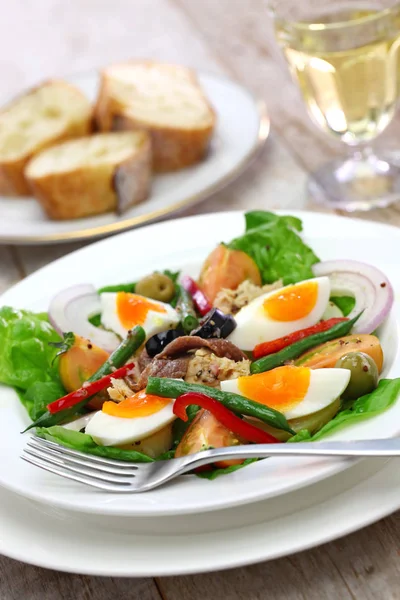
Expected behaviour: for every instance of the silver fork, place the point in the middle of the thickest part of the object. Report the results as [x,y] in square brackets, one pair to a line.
[124,477]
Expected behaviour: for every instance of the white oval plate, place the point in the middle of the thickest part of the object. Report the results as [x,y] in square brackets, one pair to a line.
[184,243]
[152,547]
[242,127]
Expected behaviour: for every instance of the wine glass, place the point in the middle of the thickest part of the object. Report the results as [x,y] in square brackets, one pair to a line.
[345,58]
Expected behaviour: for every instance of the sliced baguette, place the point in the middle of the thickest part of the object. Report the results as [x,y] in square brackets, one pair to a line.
[165,100]
[92,175]
[53,112]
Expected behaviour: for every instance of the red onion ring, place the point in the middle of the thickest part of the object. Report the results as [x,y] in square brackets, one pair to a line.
[371,289]
[70,309]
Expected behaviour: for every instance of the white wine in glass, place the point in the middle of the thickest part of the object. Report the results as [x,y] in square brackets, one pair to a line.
[345,57]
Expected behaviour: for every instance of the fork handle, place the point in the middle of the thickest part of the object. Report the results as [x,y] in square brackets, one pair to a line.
[361,448]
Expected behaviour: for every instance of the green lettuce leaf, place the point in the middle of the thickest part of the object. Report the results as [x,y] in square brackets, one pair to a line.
[302,436]
[365,407]
[84,443]
[25,354]
[345,303]
[274,244]
[39,395]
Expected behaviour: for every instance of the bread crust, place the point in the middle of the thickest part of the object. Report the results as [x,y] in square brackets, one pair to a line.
[132,178]
[94,189]
[12,179]
[173,148]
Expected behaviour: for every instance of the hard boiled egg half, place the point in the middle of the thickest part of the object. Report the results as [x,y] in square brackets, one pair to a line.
[121,311]
[293,391]
[131,420]
[281,312]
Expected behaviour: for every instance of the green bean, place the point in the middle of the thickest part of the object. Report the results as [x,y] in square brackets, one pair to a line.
[294,350]
[118,358]
[173,388]
[119,287]
[186,309]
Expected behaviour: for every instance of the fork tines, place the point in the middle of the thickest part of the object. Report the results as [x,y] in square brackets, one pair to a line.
[99,472]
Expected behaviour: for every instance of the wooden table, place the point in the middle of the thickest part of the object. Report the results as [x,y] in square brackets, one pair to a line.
[232,37]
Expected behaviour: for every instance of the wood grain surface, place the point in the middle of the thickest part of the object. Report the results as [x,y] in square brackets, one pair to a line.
[231,37]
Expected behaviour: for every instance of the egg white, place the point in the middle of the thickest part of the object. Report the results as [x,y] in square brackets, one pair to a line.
[107,430]
[80,422]
[254,325]
[155,322]
[326,385]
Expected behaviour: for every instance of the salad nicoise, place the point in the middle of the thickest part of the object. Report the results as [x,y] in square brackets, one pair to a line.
[267,344]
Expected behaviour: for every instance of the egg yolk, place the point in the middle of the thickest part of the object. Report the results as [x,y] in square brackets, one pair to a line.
[133,309]
[292,303]
[282,388]
[139,405]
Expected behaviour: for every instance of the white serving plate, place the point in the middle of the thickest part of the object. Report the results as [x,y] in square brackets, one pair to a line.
[184,243]
[242,127]
[159,546]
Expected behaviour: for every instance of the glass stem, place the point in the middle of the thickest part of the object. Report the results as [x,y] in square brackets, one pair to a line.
[360,153]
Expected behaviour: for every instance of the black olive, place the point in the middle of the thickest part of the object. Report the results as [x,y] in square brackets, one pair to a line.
[157,343]
[215,324]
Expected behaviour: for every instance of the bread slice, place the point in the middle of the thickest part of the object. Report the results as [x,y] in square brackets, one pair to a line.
[53,112]
[165,100]
[92,175]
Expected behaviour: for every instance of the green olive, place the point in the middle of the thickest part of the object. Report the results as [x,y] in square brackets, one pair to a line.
[156,286]
[364,374]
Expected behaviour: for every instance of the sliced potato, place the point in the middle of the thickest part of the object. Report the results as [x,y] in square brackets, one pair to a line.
[206,432]
[80,362]
[313,422]
[326,355]
[154,445]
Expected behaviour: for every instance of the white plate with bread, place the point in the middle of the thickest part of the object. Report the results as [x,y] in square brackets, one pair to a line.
[102,152]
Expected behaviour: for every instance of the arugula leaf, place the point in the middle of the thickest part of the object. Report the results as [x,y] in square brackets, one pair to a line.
[345,303]
[274,244]
[256,218]
[84,443]
[214,473]
[26,355]
[180,427]
[171,274]
[166,455]
[365,407]
[118,287]
[66,344]
[95,320]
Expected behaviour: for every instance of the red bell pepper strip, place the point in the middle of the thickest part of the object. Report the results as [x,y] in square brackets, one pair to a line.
[229,420]
[273,346]
[200,300]
[87,390]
